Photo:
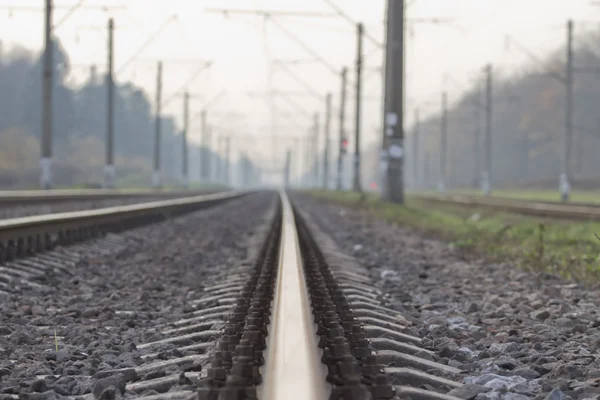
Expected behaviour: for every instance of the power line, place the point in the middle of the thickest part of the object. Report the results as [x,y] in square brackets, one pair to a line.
[510,39]
[268,13]
[341,13]
[146,44]
[69,13]
[187,83]
[313,92]
[307,48]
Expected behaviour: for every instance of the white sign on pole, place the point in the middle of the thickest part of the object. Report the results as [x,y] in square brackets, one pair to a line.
[391,119]
[396,151]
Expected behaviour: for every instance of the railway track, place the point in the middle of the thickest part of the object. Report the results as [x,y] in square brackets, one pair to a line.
[21,203]
[573,211]
[22,197]
[300,319]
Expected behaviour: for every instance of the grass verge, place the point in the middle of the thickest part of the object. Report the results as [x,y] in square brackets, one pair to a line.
[567,248]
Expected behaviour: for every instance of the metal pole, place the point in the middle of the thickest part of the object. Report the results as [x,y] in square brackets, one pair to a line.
[307,161]
[327,139]
[316,149]
[342,133]
[387,93]
[443,142]
[357,183]
[476,138]
[219,161]
[109,167]
[286,171]
[184,150]
[564,179]
[209,153]
[227,160]
[46,142]
[157,140]
[416,150]
[203,152]
[487,177]
[394,118]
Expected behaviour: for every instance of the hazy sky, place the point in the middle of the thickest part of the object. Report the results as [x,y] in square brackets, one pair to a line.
[243,49]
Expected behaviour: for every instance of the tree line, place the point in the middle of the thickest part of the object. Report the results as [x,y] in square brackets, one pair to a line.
[79,126]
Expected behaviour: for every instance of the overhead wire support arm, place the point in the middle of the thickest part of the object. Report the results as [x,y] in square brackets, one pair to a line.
[266,13]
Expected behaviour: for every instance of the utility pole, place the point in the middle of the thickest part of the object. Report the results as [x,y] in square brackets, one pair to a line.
[109,168]
[227,159]
[184,150]
[307,161]
[210,155]
[46,142]
[416,149]
[487,178]
[342,149]
[443,142]
[564,179]
[203,151]
[476,139]
[393,155]
[286,170]
[327,139]
[157,141]
[357,183]
[316,149]
[219,160]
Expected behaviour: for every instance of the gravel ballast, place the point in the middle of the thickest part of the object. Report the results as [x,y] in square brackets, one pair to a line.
[513,334]
[98,316]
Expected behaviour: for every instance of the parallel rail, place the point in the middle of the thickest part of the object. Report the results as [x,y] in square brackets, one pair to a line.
[31,197]
[27,235]
[573,211]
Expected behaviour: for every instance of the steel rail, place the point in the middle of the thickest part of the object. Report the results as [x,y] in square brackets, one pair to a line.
[25,235]
[29,197]
[293,368]
[575,211]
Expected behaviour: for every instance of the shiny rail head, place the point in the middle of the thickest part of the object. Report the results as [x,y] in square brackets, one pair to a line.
[20,197]
[33,234]
[293,368]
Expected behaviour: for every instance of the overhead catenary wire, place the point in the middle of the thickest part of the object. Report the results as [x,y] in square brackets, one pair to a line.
[306,48]
[342,14]
[313,92]
[146,44]
[186,84]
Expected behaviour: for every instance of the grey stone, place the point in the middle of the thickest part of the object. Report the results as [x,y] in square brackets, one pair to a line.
[556,394]
[526,373]
[468,391]
[540,314]
[493,395]
[5,330]
[117,381]
[515,396]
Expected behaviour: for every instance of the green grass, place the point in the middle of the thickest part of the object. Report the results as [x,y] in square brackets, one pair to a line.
[570,249]
[536,194]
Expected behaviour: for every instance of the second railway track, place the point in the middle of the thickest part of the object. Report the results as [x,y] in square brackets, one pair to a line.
[21,203]
[297,320]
